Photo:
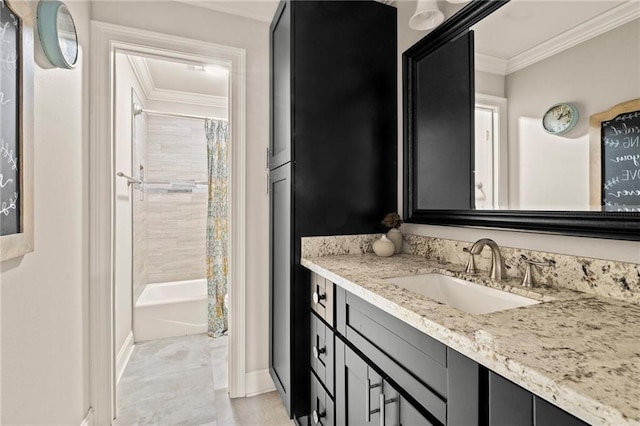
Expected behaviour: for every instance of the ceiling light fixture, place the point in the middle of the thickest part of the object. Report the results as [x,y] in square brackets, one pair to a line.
[426,16]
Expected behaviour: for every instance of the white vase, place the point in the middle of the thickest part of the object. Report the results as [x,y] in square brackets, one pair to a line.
[395,236]
[384,247]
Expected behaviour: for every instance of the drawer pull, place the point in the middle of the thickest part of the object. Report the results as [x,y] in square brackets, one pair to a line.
[384,402]
[317,351]
[367,401]
[317,297]
[317,416]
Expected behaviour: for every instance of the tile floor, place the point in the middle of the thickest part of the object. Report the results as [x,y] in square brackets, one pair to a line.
[183,381]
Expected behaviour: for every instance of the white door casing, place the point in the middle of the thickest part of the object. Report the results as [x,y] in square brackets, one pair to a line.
[106,39]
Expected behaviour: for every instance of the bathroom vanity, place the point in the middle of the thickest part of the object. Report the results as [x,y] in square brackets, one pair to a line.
[382,354]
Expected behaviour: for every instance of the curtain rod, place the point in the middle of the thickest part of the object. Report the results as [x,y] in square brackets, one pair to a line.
[175,114]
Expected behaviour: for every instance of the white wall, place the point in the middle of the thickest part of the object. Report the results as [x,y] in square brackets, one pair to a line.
[44,339]
[598,248]
[253,36]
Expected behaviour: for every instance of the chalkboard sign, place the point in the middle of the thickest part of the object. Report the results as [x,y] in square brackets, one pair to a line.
[10,130]
[620,139]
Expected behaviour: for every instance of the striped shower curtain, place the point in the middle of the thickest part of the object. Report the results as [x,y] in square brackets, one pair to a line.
[217,132]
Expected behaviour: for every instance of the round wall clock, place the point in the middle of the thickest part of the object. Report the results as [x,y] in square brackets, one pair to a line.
[57,33]
[560,119]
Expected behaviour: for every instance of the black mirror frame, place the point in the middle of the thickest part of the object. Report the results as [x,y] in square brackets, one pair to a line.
[612,225]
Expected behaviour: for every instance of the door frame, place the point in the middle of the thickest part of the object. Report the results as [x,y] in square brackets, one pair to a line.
[105,40]
[498,106]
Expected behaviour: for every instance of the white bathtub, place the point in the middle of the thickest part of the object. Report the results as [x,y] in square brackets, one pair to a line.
[171,309]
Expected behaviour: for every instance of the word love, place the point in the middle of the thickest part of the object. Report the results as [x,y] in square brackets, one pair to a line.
[630,175]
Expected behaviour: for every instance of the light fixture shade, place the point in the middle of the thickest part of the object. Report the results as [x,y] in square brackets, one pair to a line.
[426,16]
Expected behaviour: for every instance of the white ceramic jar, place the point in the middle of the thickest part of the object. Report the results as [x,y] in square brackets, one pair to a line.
[384,247]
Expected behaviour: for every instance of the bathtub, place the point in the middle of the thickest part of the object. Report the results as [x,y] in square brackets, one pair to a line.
[170,309]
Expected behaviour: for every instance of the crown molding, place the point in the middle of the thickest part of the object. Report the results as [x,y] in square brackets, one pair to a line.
[166,95]
[594,27]
[153,93]
[142,73]
[490,64]
[220,6]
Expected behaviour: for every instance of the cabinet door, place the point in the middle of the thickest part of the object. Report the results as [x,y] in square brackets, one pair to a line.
[509,404]
[280,139]
[280,282]
[357,389]
[363,397]
[546,414]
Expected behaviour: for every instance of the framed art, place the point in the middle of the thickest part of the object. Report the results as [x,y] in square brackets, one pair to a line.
[16,129]
[614,158]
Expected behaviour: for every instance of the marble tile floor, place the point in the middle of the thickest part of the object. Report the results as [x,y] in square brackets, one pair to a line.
[183,381]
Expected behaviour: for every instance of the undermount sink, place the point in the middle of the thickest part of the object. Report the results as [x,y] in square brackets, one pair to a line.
[464,295]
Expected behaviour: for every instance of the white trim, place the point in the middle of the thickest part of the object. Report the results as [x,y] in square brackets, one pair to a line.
[220,6]
[88,418]
[106,39]
[141,70]
[607,21]
[501,152]
[124,354]
[258,382]
[490,64]
[167,95]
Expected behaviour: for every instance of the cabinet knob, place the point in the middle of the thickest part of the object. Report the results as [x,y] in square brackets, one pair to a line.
[317,297]
[317,351]
[317,416]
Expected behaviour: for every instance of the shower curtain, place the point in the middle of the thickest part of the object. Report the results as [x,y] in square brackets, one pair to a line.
[217,132]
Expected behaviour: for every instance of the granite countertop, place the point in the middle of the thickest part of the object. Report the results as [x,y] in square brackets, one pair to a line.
[579,351]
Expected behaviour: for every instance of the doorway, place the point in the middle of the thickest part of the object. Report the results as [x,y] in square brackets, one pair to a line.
[108,41]
[491,153]
[168,228]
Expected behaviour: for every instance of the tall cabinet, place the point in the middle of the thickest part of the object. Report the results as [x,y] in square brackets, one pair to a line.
[332,157]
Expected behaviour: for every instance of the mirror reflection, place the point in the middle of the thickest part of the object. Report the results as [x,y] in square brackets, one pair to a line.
[531,56]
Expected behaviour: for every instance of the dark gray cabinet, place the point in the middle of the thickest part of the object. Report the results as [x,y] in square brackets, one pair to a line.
[364,397]
[383,365]
[280,294]
[511,405]
[332,155]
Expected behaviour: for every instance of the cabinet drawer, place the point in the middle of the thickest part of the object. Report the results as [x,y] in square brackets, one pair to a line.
[322,300]
[423,356]
[322,407]
[322,352]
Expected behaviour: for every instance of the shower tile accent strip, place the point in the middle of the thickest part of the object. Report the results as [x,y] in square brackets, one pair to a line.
[606,278]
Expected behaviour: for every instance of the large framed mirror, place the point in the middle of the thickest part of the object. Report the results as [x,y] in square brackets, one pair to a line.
[512,166]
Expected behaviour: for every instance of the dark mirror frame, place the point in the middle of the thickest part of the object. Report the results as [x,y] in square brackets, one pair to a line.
[613,225]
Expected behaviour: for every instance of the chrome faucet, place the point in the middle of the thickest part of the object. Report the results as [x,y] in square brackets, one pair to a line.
[498,270]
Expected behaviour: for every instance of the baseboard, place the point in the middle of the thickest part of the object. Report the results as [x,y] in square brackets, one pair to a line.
[88,419]
[257,382]
[123,356]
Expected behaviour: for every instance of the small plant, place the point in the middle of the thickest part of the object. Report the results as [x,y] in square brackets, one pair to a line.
[392,220]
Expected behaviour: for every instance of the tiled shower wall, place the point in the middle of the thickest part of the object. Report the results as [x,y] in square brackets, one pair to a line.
[176,150]
[140,207]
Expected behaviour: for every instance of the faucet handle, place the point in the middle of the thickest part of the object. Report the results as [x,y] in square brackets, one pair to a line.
[528,280]
[471,264]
